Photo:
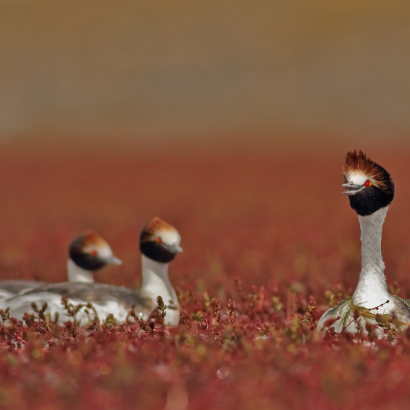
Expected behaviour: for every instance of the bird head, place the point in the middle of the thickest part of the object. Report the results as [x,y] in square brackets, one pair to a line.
[368,185]
[159,241]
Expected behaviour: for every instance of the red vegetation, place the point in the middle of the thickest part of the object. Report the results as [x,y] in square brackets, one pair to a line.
[269,244]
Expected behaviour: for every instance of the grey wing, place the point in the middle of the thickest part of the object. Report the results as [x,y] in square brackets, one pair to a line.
[403,309]
[17,286]
[98,293]
[405,302]
[101,292]
[340,310]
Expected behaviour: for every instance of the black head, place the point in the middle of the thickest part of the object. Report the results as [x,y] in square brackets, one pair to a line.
[91,252]
[368,185]
[159,241]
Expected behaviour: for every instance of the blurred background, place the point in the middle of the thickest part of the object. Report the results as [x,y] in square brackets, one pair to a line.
[156,69]
[229,119]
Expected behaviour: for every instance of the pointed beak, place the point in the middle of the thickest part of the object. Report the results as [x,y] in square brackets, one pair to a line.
[172,248]
[112,260]
[352,189]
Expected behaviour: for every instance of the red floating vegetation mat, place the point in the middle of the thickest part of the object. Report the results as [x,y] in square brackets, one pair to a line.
[269,244]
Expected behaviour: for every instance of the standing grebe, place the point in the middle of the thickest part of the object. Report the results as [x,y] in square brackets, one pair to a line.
[370,189]
[87,253]
[159,243]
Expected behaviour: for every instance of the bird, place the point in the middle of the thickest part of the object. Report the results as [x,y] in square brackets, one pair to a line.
[370,189]
[159,244]
[87,254]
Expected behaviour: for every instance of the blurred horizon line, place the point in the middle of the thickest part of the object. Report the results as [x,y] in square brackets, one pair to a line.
[58,144]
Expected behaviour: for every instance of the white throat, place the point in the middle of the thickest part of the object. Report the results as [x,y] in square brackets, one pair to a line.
[77,274]
[371,291]
[155,282]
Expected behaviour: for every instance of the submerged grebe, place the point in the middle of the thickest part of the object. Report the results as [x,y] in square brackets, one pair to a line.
[87,254]
[370,189]
[159,243]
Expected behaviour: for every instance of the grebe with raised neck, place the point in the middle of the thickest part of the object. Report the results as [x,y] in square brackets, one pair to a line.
[370,190]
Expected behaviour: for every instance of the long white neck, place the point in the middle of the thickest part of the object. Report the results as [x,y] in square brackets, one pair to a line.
[155,282]
[371,291]
[77,274]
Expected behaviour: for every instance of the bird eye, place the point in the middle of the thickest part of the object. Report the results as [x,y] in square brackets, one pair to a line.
[94,252]
[368,183]
[159,240]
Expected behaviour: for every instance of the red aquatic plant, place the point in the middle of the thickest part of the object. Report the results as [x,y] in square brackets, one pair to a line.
[269,244]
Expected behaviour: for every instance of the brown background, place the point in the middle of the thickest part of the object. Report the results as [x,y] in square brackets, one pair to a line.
[145,69]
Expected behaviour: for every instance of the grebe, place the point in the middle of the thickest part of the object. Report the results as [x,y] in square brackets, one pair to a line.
[159,243]
[370,189]
[87,254]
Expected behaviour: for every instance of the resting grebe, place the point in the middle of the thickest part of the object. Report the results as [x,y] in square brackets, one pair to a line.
[87,253]
[159,243]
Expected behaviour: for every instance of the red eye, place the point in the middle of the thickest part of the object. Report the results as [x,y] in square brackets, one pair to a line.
[159,240]
[368,183]
[94,252]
